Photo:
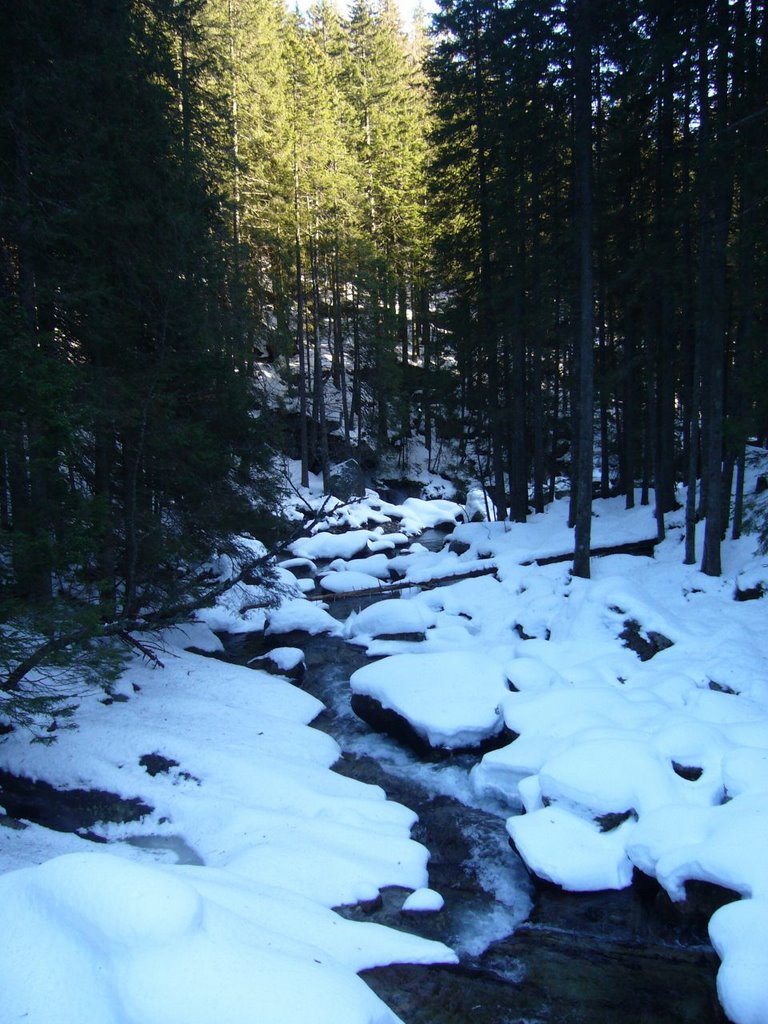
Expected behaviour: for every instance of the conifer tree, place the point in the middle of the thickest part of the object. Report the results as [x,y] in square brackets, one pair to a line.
[128,420]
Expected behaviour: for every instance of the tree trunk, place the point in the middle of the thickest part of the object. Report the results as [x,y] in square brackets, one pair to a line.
[303,439]
[712,323]
[582,67]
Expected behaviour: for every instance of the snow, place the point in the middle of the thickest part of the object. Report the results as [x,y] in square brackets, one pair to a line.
[618,765]
[391,616]
[739,933]
[417,515]
[349,582]
[298,614]
[118,932]
[423,901]
[451,699]
[340,545]
[119,941]
[574,853]
[286,659]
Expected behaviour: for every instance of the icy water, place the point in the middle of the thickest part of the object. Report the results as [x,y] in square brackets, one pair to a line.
[529,953]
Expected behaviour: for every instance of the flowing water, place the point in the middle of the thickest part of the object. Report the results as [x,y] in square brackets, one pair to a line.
[529,953]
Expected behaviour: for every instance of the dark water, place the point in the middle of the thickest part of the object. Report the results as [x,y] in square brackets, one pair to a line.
[529,953]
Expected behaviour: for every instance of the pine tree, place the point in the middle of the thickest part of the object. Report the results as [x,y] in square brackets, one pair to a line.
[127,420]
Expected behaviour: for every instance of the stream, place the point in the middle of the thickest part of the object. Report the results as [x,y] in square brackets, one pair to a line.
[529,952]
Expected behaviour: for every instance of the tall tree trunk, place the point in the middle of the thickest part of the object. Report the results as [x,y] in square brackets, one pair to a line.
[318,399]
[629,417]
[712,324]
[303,439]
[582,75]
[338,344]
[485,319]
[694,408]
[664,332]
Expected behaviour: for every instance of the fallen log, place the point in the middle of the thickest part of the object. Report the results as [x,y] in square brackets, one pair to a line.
[638,547]
[633,547]
[398,585]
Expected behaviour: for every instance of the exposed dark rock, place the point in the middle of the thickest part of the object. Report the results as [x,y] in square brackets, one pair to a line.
[645,643]
[157,764]
[750,593]
[688,772]
[368,907]
[65,810]
[608,822]
[387,721]
[347,480]
[722,688]
[458,547]
[6,821]
[687,919]
[411,637]
[544,975]
[397,491]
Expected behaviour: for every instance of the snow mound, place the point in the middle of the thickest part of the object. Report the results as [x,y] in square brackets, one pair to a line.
[423,901]
[103,940]
[389,617]
[348,582]
[570,851]
[450,699]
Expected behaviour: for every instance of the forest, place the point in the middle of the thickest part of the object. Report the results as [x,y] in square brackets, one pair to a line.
[533,231]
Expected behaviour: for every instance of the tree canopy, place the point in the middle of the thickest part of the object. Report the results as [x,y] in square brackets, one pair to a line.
[536,232]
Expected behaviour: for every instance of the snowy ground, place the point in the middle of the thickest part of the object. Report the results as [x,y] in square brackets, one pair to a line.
[668,755]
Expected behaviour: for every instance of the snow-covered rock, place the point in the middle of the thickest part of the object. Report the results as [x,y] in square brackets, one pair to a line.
[452,701]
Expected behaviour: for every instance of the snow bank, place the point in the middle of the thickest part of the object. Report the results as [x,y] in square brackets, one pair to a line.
[348,582]
[102,940]
[547,534]
[423,901]
[119,933]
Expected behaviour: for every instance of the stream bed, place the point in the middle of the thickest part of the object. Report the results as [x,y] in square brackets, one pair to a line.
[529,952]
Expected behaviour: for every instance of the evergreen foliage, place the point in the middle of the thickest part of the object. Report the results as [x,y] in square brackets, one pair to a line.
[678,300]
[531,240]
[124,421]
